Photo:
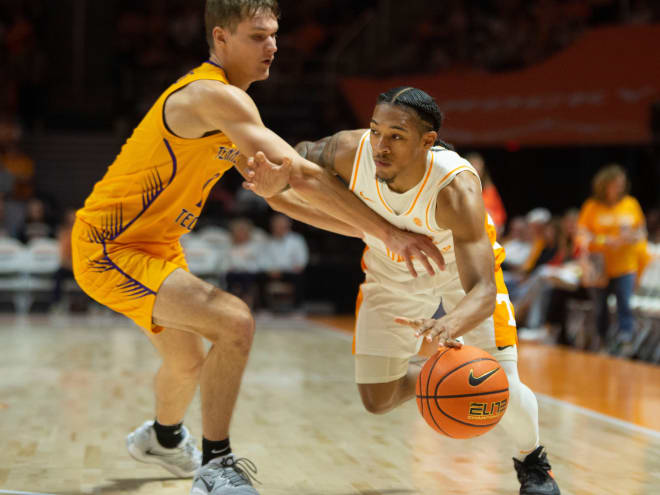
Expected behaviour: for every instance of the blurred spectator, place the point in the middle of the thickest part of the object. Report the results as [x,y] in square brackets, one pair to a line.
[530,299]
[517,243]
[492,199]
[6,180]
[246,203]
[554,281]
[245,261]
[611,225]
[538,220]
[653,225]
[14,161]
[65,271]
[36,224]
[531,245]
[286,256]
[4,230]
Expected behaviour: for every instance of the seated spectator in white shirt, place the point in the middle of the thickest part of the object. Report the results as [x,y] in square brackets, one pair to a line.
[286,258]
[517,244]
[245,261]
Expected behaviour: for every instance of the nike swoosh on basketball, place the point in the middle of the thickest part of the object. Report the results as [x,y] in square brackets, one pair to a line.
[478,380]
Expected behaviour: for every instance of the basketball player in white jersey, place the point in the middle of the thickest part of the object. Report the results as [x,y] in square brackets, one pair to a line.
[397,170]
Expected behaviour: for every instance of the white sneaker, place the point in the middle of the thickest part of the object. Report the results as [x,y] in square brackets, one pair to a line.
[225,476]
[182,461]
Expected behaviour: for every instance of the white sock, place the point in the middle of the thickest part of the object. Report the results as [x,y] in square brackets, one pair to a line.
[521,420]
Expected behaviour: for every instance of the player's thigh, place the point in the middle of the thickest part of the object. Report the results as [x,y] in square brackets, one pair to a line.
[378,378]
[376,331]
[377,370]
[188,303]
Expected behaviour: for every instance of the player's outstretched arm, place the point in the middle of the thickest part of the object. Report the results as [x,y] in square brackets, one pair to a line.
[291,204]
[460,208]
[230,109]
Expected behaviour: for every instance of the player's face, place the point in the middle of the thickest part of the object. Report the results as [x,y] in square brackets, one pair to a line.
[249,51]
[397,142]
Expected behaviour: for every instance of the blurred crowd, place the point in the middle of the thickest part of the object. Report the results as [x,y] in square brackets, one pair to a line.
[264,268]
[499,35]
[597,254]
[153,42]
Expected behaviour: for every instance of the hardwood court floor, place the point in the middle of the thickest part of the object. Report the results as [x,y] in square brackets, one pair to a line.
[621,388]
[71,390]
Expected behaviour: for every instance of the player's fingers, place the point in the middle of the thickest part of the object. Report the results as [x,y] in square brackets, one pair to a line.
[248,185]
[260,158]
[405,321]
[408,259]
[453,343]
[250,162]
[435,255]
[286,163]
[425,329]
[421,256]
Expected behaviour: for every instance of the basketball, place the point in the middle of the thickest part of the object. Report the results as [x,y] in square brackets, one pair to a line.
[462,393]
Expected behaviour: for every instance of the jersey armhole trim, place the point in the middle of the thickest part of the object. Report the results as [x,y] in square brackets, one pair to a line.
[166,127]
[356,163]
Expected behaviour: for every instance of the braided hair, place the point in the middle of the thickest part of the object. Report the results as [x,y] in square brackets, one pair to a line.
[421,103]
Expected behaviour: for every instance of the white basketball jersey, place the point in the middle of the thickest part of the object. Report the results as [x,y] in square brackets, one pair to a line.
[441,168]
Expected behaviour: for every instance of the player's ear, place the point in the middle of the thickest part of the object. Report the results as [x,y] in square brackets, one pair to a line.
[428,139]
[219,35]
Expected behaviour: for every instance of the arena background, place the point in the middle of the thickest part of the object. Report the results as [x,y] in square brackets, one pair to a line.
[79,74]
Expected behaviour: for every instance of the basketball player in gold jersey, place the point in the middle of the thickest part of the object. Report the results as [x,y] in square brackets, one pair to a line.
[398,171]
[127,255]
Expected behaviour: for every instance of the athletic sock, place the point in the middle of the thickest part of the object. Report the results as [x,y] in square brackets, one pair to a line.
[169,436]
[212,449]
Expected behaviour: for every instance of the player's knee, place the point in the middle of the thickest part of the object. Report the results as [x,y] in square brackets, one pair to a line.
[231,321]
[375,407]
[373,400]
[243,329]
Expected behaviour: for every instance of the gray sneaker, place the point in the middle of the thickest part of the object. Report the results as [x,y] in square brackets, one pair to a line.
[182,461]
[225,476]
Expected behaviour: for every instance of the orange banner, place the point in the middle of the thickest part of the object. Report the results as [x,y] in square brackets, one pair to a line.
[597,91]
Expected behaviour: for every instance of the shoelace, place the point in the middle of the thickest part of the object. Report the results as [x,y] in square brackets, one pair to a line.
[239,471]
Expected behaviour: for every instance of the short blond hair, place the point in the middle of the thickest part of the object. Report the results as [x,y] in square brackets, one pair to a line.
[229,13]
[604,177]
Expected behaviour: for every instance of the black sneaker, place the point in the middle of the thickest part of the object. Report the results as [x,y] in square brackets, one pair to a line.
[535,474]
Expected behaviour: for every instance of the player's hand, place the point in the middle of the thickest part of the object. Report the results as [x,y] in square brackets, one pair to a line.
[266,178]
[430,329]
[411,245]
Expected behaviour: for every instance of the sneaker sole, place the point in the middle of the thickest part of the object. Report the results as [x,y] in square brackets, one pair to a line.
[152,459]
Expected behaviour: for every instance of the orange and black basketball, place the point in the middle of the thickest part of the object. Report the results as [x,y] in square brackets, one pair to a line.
[462,393]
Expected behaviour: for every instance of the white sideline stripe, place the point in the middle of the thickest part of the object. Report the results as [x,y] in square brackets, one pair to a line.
[626,425]
[22,493]
[603,417]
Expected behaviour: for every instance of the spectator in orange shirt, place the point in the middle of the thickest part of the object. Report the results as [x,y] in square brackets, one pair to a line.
[611,225]
[492,199]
